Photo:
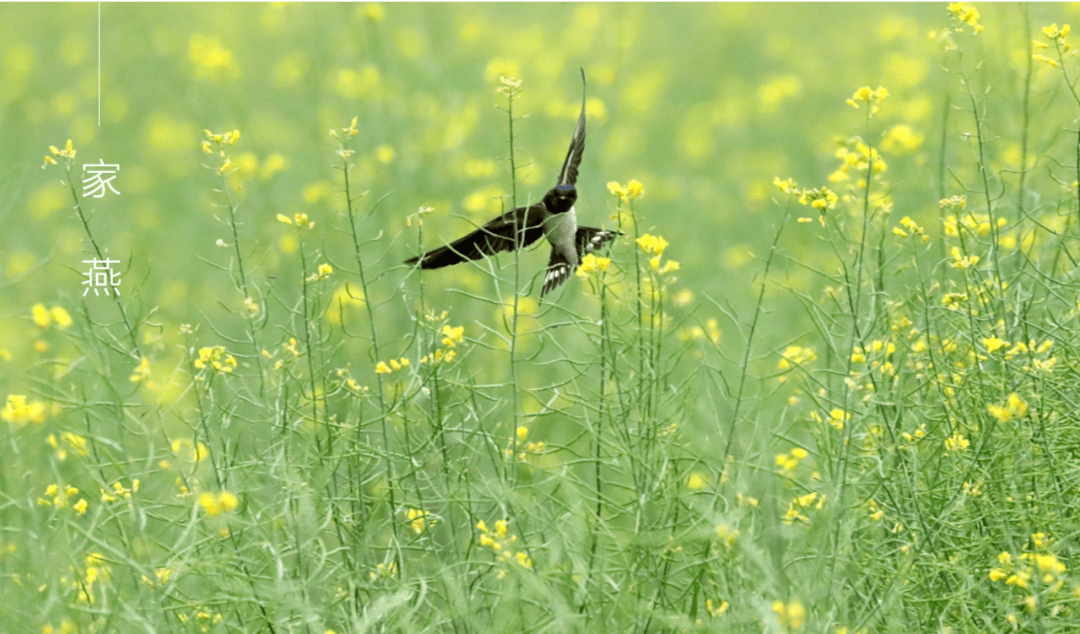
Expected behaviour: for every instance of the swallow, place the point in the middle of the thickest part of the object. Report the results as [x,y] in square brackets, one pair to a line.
[554,217]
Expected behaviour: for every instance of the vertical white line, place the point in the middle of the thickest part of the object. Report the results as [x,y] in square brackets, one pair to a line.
[99,64]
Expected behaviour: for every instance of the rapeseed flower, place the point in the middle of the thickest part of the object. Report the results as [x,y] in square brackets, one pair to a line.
[590,264]
[791,615]
[217,358]
[20,411]
[652,245]
[214,504]
[1013,408]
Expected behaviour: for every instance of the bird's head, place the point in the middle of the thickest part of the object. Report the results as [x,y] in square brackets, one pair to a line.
[560,198]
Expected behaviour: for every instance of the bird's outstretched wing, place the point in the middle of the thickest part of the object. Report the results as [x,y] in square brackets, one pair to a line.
[591,239]
[569,172]
[558,271]
[588,239]
[493,237]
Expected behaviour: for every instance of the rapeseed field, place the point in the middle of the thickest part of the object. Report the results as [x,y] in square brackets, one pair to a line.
[826,379]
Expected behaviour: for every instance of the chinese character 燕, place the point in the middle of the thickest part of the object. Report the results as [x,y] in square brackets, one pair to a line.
[101,176]
[101,275]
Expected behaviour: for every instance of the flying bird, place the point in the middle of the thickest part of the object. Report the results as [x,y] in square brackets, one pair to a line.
[553,217]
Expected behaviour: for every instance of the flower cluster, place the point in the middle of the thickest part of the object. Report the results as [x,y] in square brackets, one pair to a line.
[789,461]
[909,227]
[44,317]
[300,220]
[522,437]
[630,191]
[654,246]
[868,96]
[348,381]
[420,521]
[384,571]
[217,358]
[794,356]
[119,491]
[395,364]
[96,570]
[790,615]
[822,199]
[1031,571]
[802,503]
[452,336]
[188,450]
[961,261]
[214,504]
[73,440]
[68,154]
[499,542]
[61,496]
[216,144]
[977,224]
[855,154]
[1057,36]
[879,354]
[591,265]
[1013,408]
[965,14]
[20,411]
[956,443]
[324,271]
[836,418]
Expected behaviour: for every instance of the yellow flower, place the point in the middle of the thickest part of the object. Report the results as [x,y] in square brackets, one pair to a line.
[592,264]
[653,245]
[141,372]
[961,261]
[1013,407]
[394,366]
[957,443]
[791,616]
[795,355]
[1052,32]
[61,317]
[452,336]
[18,410]
[300,220]
[217,358]
[966,13]
[420,520]
[67,153]
[867,95]
[618,190]
[626,193]
[821,199]
[42,317]
[786,186]
[993,344]
[217,503]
